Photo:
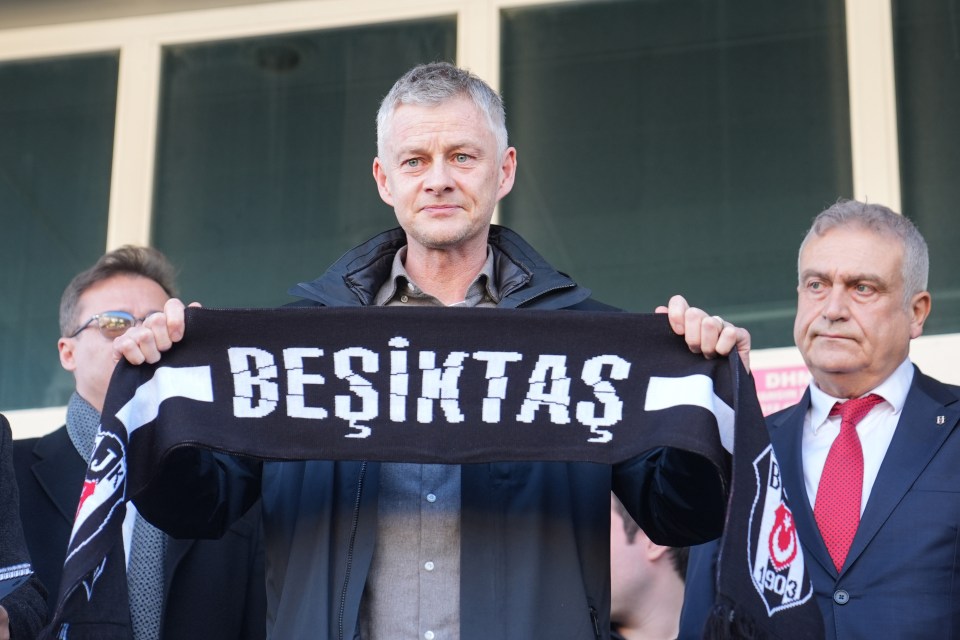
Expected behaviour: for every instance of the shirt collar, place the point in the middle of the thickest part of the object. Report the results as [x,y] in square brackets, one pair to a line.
[490,280]
[389,288]
[399,278]
[893,390]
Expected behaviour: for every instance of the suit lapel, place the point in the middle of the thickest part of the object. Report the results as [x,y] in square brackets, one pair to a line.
[59,470]
[175,553]
[916,441]
[786,434]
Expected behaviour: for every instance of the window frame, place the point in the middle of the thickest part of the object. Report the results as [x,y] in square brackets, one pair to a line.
[140,40]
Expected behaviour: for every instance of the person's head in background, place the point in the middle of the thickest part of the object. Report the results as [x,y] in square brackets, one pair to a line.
[646,580]
[121,289]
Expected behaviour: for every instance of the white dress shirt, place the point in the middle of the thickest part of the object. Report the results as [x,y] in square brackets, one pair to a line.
[875,430]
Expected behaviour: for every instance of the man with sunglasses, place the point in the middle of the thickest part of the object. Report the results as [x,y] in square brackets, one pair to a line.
[171,594]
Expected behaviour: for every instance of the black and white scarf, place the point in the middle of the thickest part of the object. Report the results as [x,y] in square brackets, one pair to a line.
[415,385]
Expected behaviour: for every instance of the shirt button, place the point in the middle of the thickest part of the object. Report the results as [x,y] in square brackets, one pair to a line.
[428,635]
[431,497]
[404,299]
[841,597]
[428,566]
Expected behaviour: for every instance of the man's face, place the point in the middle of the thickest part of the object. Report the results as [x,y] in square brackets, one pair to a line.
[442,174]
[852,326]
[89,355]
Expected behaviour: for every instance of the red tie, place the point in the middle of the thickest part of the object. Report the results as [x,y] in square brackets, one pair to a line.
[837,508]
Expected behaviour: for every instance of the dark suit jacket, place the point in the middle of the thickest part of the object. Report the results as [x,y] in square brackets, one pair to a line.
[213,588]
[26,607]
[902,574]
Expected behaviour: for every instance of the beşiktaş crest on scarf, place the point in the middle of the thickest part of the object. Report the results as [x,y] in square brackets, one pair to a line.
[420,385]
[764,589]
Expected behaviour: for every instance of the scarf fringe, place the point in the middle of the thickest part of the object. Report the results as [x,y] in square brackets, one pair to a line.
[728,622]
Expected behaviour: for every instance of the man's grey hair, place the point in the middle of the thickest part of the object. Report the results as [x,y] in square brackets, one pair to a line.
[882,220]
[128,260]
[434,84]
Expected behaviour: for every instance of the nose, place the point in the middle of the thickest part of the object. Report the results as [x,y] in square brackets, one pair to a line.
[835,304]
[438,179]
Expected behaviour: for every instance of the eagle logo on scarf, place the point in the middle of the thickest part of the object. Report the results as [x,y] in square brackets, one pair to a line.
[777,565]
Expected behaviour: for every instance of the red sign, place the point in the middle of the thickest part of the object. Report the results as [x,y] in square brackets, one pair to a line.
[780,387]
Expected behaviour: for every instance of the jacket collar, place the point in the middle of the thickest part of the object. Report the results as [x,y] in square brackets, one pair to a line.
[524,276]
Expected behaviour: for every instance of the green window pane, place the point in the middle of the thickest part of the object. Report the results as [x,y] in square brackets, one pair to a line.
[678,147]
[927,64]
[266,149]
[56,148]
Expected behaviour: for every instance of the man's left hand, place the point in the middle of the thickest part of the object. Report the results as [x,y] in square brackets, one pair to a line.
[710,335]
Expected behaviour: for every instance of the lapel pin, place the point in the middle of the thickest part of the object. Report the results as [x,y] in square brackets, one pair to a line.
[941,419]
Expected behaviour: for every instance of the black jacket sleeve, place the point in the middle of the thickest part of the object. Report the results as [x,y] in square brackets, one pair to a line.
[199,494]
[677,497]
[26,607]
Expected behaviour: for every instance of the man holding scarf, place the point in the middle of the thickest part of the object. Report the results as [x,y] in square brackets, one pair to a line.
[479,551]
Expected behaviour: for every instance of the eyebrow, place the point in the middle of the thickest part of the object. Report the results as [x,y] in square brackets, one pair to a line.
[847,279]
[466,144]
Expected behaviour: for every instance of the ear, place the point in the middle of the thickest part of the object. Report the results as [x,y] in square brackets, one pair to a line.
[67,356]
[653,550]
[508,172]
[380,175]
[919,310]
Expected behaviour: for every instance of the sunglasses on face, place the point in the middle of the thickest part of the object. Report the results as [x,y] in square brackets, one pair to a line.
[112,324]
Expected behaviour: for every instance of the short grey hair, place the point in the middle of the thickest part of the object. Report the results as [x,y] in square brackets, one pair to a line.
[881,220]
[436,83]
[128,260]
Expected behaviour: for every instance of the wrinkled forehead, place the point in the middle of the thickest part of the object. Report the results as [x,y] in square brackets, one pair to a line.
[456,122]
[854,229]
[853,252]
[128,292]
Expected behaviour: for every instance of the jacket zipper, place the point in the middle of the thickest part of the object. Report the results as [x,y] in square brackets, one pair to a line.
[353,539]
[541,294]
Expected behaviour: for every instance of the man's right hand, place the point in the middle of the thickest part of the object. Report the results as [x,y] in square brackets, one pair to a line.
[146,342]
[706,334]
